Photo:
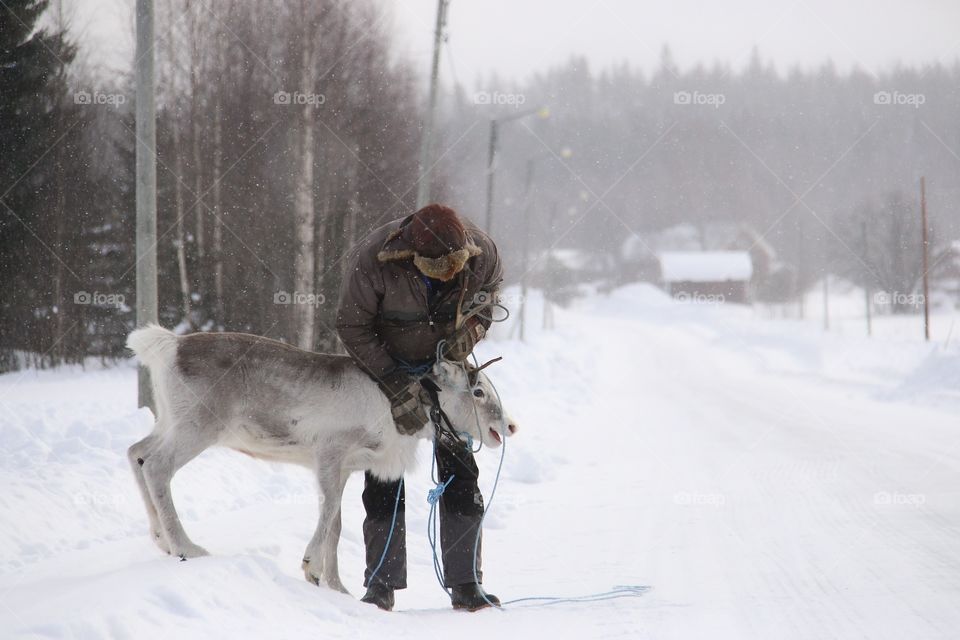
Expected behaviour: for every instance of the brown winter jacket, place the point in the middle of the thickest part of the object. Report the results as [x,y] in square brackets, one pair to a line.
[384,319]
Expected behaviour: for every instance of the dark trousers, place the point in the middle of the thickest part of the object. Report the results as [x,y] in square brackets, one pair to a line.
[460,510]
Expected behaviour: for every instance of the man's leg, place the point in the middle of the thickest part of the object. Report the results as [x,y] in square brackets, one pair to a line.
[461,508]
[379,499]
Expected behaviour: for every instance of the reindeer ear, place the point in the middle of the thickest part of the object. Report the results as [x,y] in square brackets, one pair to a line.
[441,372]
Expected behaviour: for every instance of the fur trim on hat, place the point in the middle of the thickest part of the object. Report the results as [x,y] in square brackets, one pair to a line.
[396,254]
[442,268]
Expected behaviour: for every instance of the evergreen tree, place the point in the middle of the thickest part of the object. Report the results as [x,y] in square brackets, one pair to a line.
[39,144]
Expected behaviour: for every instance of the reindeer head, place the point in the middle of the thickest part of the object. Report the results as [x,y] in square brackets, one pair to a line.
[472,404]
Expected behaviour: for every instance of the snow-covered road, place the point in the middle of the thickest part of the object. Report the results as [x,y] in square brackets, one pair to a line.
[766,481]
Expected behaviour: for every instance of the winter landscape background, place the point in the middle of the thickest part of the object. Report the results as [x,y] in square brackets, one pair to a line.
[714,262]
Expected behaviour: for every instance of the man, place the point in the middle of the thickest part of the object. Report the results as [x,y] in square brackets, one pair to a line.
[406,282]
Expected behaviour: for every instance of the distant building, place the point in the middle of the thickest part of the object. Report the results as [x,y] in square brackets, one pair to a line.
[770,280]
[707,275]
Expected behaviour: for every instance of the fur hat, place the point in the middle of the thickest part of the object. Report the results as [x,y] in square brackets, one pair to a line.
[439,244]
[435,231]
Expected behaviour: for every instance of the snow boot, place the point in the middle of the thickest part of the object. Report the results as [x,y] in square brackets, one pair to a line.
[472,597]
[380,595]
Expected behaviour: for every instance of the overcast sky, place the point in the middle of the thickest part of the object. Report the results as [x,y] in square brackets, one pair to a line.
[518,37]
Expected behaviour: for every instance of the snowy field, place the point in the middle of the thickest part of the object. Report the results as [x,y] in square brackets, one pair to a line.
[765,479]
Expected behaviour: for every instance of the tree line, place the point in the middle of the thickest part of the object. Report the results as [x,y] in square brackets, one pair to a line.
[287,130]
[806,158]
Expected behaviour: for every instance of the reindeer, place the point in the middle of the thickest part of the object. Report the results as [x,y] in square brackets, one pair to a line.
[276,402]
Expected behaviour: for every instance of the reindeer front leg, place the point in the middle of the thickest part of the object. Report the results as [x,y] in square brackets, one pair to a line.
[331,564]
[317,555]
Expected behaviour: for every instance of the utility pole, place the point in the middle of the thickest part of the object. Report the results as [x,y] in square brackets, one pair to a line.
[926,278]
[146,128]
[801,268]
[826,302]
[548,285]
[491,160]
[541,112]
[426,141]
[866,282]
[527,211]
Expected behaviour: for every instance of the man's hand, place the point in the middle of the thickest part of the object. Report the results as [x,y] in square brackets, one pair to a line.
[461,344]
[403,392]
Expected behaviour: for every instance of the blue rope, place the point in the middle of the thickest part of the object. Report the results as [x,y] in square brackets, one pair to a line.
[619,591]
[417,371]
[433,497]
[393,525]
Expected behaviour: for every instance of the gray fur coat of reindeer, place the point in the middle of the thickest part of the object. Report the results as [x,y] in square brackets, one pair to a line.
[279,403]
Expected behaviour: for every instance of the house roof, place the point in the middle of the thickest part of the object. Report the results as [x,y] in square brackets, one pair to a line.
[705,266]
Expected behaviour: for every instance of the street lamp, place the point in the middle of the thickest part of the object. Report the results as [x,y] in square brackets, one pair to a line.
[565,154]
[540,112]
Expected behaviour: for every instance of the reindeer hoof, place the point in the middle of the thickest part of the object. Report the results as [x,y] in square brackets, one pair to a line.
[310,572]
[191,551]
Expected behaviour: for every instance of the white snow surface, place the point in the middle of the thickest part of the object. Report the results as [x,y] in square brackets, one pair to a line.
[705,266]
[767,480]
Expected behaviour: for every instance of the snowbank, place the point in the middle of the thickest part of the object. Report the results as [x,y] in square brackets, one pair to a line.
[764,477]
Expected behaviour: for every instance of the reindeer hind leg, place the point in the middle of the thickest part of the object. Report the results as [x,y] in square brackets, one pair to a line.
[170,452]
[137,454]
